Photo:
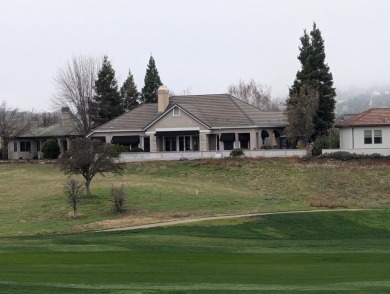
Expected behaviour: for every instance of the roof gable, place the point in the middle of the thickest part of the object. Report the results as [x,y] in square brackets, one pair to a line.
[169,111]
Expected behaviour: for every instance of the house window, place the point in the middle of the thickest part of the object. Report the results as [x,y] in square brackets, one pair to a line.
[228,145]
[377,137]
[147,144]
[367,137]
[170,143]
[15,146]
[176,111]
[244,140]
[228,140]
[25,146]
[195,143]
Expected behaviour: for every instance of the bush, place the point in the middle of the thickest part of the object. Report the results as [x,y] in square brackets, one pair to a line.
[307,157]
[237,152]
[51,149]
[332,141]
[266,147]
[345,156]
[137,149]
[118,196]
[120,148]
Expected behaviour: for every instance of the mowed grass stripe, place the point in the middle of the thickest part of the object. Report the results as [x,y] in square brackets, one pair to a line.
[362,287]
[176,268]
[242,257]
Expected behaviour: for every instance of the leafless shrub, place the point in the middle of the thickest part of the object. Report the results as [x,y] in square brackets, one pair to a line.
[74,193]
[118,196]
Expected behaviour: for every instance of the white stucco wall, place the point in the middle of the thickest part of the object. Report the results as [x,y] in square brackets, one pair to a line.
[346,138]
[352,140]
[19,154]
[358,135]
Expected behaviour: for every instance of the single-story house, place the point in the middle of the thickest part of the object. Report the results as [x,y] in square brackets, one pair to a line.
[194,123]
[365,133]
[28,145]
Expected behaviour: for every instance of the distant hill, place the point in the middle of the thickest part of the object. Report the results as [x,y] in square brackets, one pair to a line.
[354,101]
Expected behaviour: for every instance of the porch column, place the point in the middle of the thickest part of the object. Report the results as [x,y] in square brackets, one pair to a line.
[153,144]
[61,146]
[252,140]
[202,142]
[269,139]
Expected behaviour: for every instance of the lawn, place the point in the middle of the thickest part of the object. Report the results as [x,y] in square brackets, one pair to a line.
[327,252]
[32,200]
[43,250]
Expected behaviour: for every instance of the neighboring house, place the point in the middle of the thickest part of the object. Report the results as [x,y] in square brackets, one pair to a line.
[29,144]
[365,133]
[194,123]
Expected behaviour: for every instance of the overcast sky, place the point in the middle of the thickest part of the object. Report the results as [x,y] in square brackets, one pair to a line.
[200,45]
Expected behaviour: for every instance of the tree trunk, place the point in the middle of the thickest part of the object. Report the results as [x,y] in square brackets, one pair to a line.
[74,208]
[5,150]
[88,191]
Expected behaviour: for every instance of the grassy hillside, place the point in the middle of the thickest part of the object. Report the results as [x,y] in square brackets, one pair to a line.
[32,200]
[328,252]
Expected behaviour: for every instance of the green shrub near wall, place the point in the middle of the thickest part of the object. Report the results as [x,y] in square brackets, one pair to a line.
[237,152]
[51,149]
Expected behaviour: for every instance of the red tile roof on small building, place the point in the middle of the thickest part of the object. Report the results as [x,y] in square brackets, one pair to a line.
[371,117]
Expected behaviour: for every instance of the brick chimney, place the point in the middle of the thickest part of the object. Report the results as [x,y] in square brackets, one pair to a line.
[34,126]
[163,98]
[65,114]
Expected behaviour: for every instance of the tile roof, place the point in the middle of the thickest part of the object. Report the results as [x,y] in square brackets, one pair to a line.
[56,130]
[136,119]
[217,110]
[371,117]
[214,110]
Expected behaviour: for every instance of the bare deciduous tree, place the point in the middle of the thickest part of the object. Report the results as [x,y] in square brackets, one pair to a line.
[48,118]
[254,94]
[88,158]
[74,193]
[12,124]
[75,89]
[301,110]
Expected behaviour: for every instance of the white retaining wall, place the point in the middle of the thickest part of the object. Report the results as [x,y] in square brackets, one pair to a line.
[145,156]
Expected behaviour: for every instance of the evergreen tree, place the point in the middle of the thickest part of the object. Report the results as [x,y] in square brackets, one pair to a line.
[300,114]
[316,74]
[107,101]
[129,93]
[152,82]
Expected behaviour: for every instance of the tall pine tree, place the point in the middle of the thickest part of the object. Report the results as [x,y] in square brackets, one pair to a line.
[315,73]
[152,82]
[129,93]
[107,101]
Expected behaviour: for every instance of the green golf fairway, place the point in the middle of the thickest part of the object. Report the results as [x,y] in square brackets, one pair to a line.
[328,252]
